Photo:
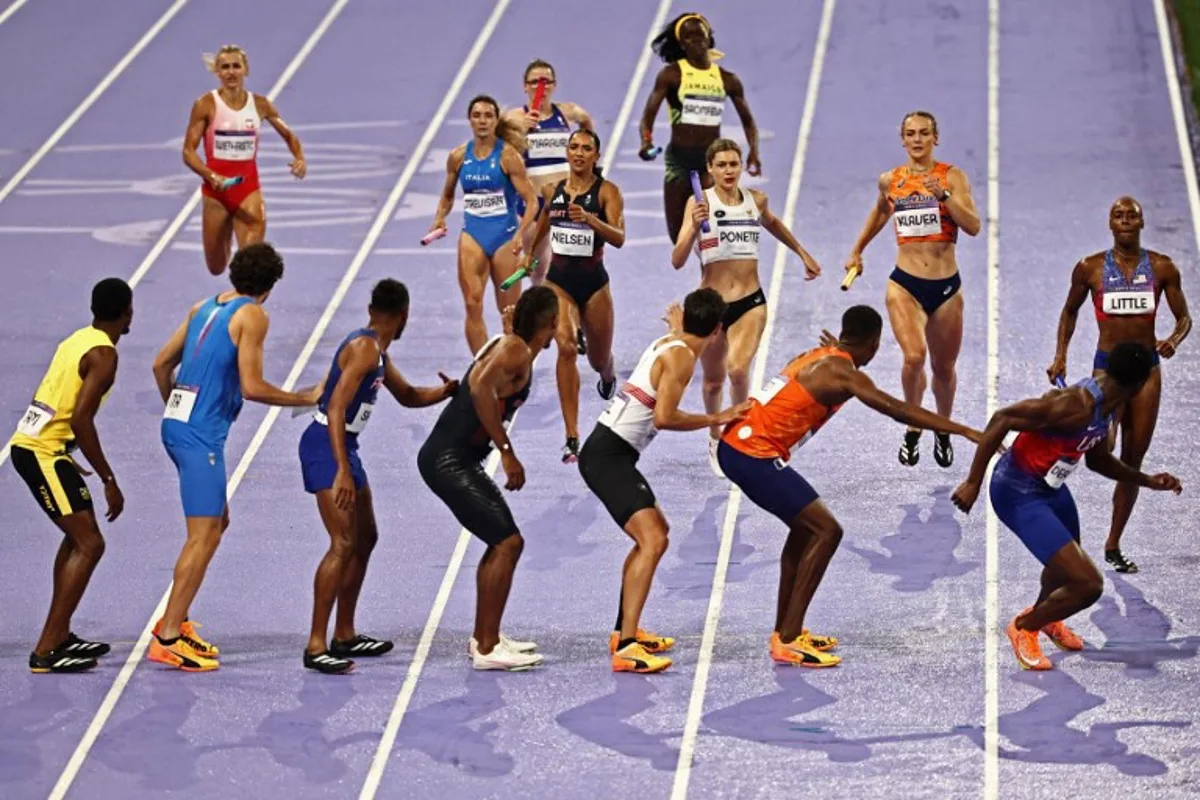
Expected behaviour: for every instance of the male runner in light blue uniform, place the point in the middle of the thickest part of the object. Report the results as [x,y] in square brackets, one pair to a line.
[218,350]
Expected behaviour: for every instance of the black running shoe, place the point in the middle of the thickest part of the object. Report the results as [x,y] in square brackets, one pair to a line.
[606,390]
[74,646]
[328,664]
[943,451]
[910,451]
[570,451]
[580,341]
[60,661]
[362,646]
[1119,561]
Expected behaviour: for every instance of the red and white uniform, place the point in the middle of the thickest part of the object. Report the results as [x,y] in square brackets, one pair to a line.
[231,149]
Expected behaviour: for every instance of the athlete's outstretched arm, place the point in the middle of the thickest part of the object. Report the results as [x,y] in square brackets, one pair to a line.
[668,78]
[454,163]
[98,368]
[504,368]
[1076,295]
[197,125]
[360,357]
[1101,461]
[774,226]
[1173,290]
[675,368]
[737,94]
[576,113]
[877,217]
[693,214]
[411,396]
[251,323]
[960,203]
[267,110]
[845,378]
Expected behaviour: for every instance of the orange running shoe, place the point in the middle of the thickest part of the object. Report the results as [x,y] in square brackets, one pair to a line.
[818,641]
[180,654]
[652,642]
[1063,637]
[801,653]
[1026,648]
[635,658]
[188,631]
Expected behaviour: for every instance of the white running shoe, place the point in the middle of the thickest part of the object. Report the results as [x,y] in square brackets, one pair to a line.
[511,644]
[503,658]
[712,457]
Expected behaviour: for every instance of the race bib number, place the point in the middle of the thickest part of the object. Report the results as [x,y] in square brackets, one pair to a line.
[575,239]
[769,389]
[485,204]
[738,239]
[1059,473]
[918,220]
[180,404]
[235,145]
[360,420]
[36,418]
[1128,303]
[702,111]
[547,144]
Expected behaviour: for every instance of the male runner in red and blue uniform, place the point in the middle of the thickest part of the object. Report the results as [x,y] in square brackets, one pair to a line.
[1030,496]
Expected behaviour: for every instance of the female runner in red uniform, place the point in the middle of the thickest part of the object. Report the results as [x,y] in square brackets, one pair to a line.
[229,120]
[1126,283]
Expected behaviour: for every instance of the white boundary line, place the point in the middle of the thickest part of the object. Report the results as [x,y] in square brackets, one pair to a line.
[691,728]
[82,108]
[1181,129]
[14,8]
[114,693]
[409,687]
[991,628]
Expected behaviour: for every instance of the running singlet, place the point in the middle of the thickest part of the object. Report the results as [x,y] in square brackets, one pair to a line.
[547,151]
[917,215]
[487,192]
[231,141]
[358,411]
[46,424]
[575,243]
[733,230]
[630,414]
[783,416]
[701,99]
[459,427]
[1121,298]
[207,395]
[1050,458]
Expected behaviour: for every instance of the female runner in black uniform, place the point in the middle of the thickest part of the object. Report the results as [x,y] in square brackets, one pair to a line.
[491,391]
[586,212]
[695,89]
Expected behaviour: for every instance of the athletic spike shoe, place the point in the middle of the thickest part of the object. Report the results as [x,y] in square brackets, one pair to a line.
[580,341]
[570,451]
[60,661]
[1119,561]
[503,658]
[512,644]
[606,388]
[179,654]
[651,642]
[943,451]
[328,664]
[360,646]
[801,653]
[818,641]
[635,658]
[1063,637]
[713,462]
[1026,648]
[74,646]
[910,451]
[188,631]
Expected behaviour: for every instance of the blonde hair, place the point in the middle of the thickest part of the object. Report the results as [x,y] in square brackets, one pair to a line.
[210,59]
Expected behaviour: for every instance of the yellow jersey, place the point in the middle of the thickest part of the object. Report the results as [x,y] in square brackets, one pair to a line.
[46,424]
[701,96]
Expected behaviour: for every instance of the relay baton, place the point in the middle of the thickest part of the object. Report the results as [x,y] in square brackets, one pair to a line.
[850,278]
[539,94]
[433,236]
[229,183]
[516,276]
[653,152]
[699,195]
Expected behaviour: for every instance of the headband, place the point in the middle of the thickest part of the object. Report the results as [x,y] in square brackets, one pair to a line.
[713,54]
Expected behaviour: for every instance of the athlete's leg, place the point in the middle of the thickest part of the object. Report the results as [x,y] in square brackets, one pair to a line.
[675,197]
[1074,582]
[908,322]
[566,369]
[789,563]
[712,363]
[598,326]
[473,267]
[743,339]
[1137,429]
[943,335]
[822,535]
[331,572]
[366,534]
[493,580]
[217,233]
[649,530]
[250,221]
[203,538]
[76,560]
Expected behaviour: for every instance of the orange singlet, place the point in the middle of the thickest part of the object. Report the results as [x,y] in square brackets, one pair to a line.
[783,415]
[917,215]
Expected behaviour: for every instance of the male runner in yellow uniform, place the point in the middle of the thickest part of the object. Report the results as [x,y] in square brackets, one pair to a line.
[61,416]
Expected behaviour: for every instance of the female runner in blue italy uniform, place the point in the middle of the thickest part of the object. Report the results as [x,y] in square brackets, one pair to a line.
[332,471]
[492,175]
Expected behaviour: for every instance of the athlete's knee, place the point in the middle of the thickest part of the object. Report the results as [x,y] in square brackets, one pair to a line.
[739,374]
[91,546]
[829,531]
[473,303]
[943,371]
[914,359]
[1090,587]
[342,545]
[568,346]
[511,546]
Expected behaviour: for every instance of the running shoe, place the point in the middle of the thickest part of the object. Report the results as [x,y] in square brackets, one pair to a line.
[652,642]
[1119,561]
[188,631]
[503,658]
[801,653]
[570,451]
[1063,637]
[635,658]
[361,646]
[606,388]
[75,646]
[713,462]
[910,451]
[943,451]
[512,644]
[1026,648]
[60,661]
[328,664]
[180,654]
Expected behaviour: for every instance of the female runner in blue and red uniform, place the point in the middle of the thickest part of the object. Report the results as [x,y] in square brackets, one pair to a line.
[229,120]
[1030,496]
[1126,284]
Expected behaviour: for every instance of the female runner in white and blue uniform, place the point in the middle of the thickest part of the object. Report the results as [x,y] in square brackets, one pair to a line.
[493,177]
[547,129]
[332,471]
